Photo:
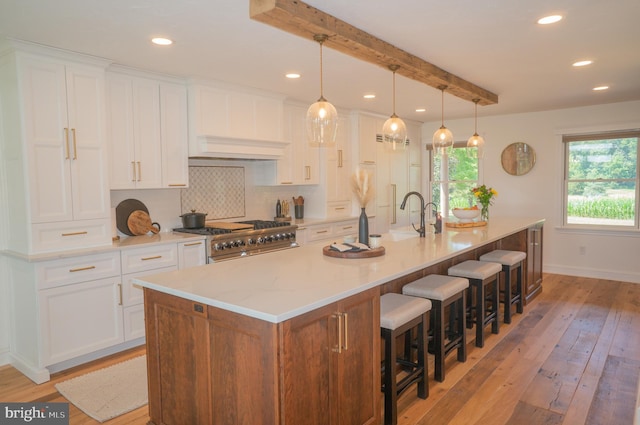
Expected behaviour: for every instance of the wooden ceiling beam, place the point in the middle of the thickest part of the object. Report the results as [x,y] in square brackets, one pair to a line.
[304,20]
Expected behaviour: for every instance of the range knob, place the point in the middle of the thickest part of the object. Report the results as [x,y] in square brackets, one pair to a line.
[239,242]
[261,240]
[217,247]
[251,241]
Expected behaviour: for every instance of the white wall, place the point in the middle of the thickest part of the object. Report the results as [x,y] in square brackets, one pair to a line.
[539,193]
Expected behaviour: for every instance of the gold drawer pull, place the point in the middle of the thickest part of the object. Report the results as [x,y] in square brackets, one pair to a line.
[133,171]
[74,233]
[177,185]
[369,162]
[339,208]
[193,244]
[151,258]
[346,331]
[321,231]
[120,293]
[81,269]
[347,228]
[286,182]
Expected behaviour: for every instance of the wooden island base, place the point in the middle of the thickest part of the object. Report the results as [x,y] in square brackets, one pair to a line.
[209,366]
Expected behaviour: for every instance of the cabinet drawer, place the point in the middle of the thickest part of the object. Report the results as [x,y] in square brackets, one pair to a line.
[149,258]
[317,233]
[77,269]
[346,228]
[48,237]
[131,293]
[338,209]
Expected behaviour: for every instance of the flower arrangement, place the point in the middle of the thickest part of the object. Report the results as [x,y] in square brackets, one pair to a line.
[485,196]
[362,186]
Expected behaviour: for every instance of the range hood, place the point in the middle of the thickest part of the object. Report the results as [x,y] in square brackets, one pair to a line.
[236,148]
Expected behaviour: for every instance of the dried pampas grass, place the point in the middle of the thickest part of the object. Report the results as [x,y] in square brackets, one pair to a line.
[362,186]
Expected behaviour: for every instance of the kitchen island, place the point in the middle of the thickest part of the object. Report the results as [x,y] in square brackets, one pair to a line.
[291,334]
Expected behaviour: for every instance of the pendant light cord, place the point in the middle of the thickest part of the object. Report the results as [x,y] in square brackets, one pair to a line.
[476,114]
[321,84]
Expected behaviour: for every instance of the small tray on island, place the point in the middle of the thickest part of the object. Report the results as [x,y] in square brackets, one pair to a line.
[355,253]
[459,224]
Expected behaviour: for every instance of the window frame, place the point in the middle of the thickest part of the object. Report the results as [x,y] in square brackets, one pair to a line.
[567,139]
[430,181]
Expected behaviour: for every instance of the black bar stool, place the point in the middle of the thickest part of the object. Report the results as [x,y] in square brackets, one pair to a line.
[443,292]
[400,314]
[510,260]
[484,278]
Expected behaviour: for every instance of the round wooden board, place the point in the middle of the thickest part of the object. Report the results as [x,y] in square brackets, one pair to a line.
[375,252]
[139,223]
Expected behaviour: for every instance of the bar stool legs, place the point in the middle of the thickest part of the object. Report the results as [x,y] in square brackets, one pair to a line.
[510,260]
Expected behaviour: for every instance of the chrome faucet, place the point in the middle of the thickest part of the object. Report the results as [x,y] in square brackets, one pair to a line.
[421,230]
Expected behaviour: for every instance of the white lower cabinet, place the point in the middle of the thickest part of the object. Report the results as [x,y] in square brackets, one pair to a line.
[79,319]
[68,311]
[329,231]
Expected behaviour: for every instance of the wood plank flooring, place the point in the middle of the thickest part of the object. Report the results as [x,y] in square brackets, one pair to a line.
[573,357]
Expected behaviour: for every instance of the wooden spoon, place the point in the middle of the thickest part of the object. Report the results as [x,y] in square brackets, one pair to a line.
[140,224]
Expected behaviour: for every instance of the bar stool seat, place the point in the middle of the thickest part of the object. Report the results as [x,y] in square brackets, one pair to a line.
[510,260]
[484,279]
[400,314]
[444,291]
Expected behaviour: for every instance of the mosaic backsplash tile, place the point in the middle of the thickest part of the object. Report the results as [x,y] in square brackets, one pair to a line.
[216,191]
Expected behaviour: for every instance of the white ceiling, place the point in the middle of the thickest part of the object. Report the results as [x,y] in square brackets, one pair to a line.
[494,44]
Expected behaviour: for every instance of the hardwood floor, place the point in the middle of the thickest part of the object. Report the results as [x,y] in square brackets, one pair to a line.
[573,357]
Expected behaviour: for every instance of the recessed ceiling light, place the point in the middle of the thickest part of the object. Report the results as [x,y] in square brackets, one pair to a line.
[582,63]
[421,110]
[161,41]
[292,75]
[551,19]
[369,96]
[600,88]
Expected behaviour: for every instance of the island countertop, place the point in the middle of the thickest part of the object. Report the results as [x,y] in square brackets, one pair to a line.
[279,285]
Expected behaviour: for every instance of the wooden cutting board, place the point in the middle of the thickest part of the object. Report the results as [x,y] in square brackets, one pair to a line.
[229,225]
[140,224]
[471,224]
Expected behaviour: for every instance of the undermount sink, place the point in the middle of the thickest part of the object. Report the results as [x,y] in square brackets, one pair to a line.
[402,234]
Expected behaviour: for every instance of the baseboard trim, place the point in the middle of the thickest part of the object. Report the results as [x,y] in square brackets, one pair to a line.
[592,273]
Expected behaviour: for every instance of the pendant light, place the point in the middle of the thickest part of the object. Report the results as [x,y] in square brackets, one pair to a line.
[475,144]
[322,117]
[442,138]
[394,131]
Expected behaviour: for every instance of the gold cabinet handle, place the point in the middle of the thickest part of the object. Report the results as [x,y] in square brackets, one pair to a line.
[74,233]
[193,244]
[286,182]
[308,172]
[155,257]
[177,185]
[347,228]
[139,171]
[81,269]
[338,208]
[339,158]
[120,293]
[369,162]
[345,324]
[321,231]
[66,143]
[75,150]
[393,204]
[133,171]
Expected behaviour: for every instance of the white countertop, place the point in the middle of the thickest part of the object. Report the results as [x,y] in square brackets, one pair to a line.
[122,243]
[280,285]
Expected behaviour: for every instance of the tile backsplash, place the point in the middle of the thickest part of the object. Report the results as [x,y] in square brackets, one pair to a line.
[218,191]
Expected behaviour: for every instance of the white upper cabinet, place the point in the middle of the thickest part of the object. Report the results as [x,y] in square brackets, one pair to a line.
[54,149]
[65,144]
[147,132]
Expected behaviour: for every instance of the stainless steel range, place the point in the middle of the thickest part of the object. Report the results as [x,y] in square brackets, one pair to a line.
[226,241]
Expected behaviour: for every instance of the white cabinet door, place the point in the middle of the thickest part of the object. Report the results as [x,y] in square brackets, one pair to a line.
[120,132]
[300,164]
[64,130]
[175,136]
[339,168]
[146,133]
[191,254]
[79,319]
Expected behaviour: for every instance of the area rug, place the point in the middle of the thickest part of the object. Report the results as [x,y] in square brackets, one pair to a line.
[109,392]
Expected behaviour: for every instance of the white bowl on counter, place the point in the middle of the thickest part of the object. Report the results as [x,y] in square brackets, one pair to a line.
[465,216]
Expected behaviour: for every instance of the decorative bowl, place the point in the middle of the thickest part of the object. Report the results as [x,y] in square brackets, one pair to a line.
[466,216]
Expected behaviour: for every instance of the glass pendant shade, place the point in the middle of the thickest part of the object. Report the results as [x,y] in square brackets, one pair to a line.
[322,117]
[442,138]
[394,130]
[475,144]
[322,123]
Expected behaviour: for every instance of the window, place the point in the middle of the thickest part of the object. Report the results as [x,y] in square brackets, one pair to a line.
[601,179]
[453,175]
